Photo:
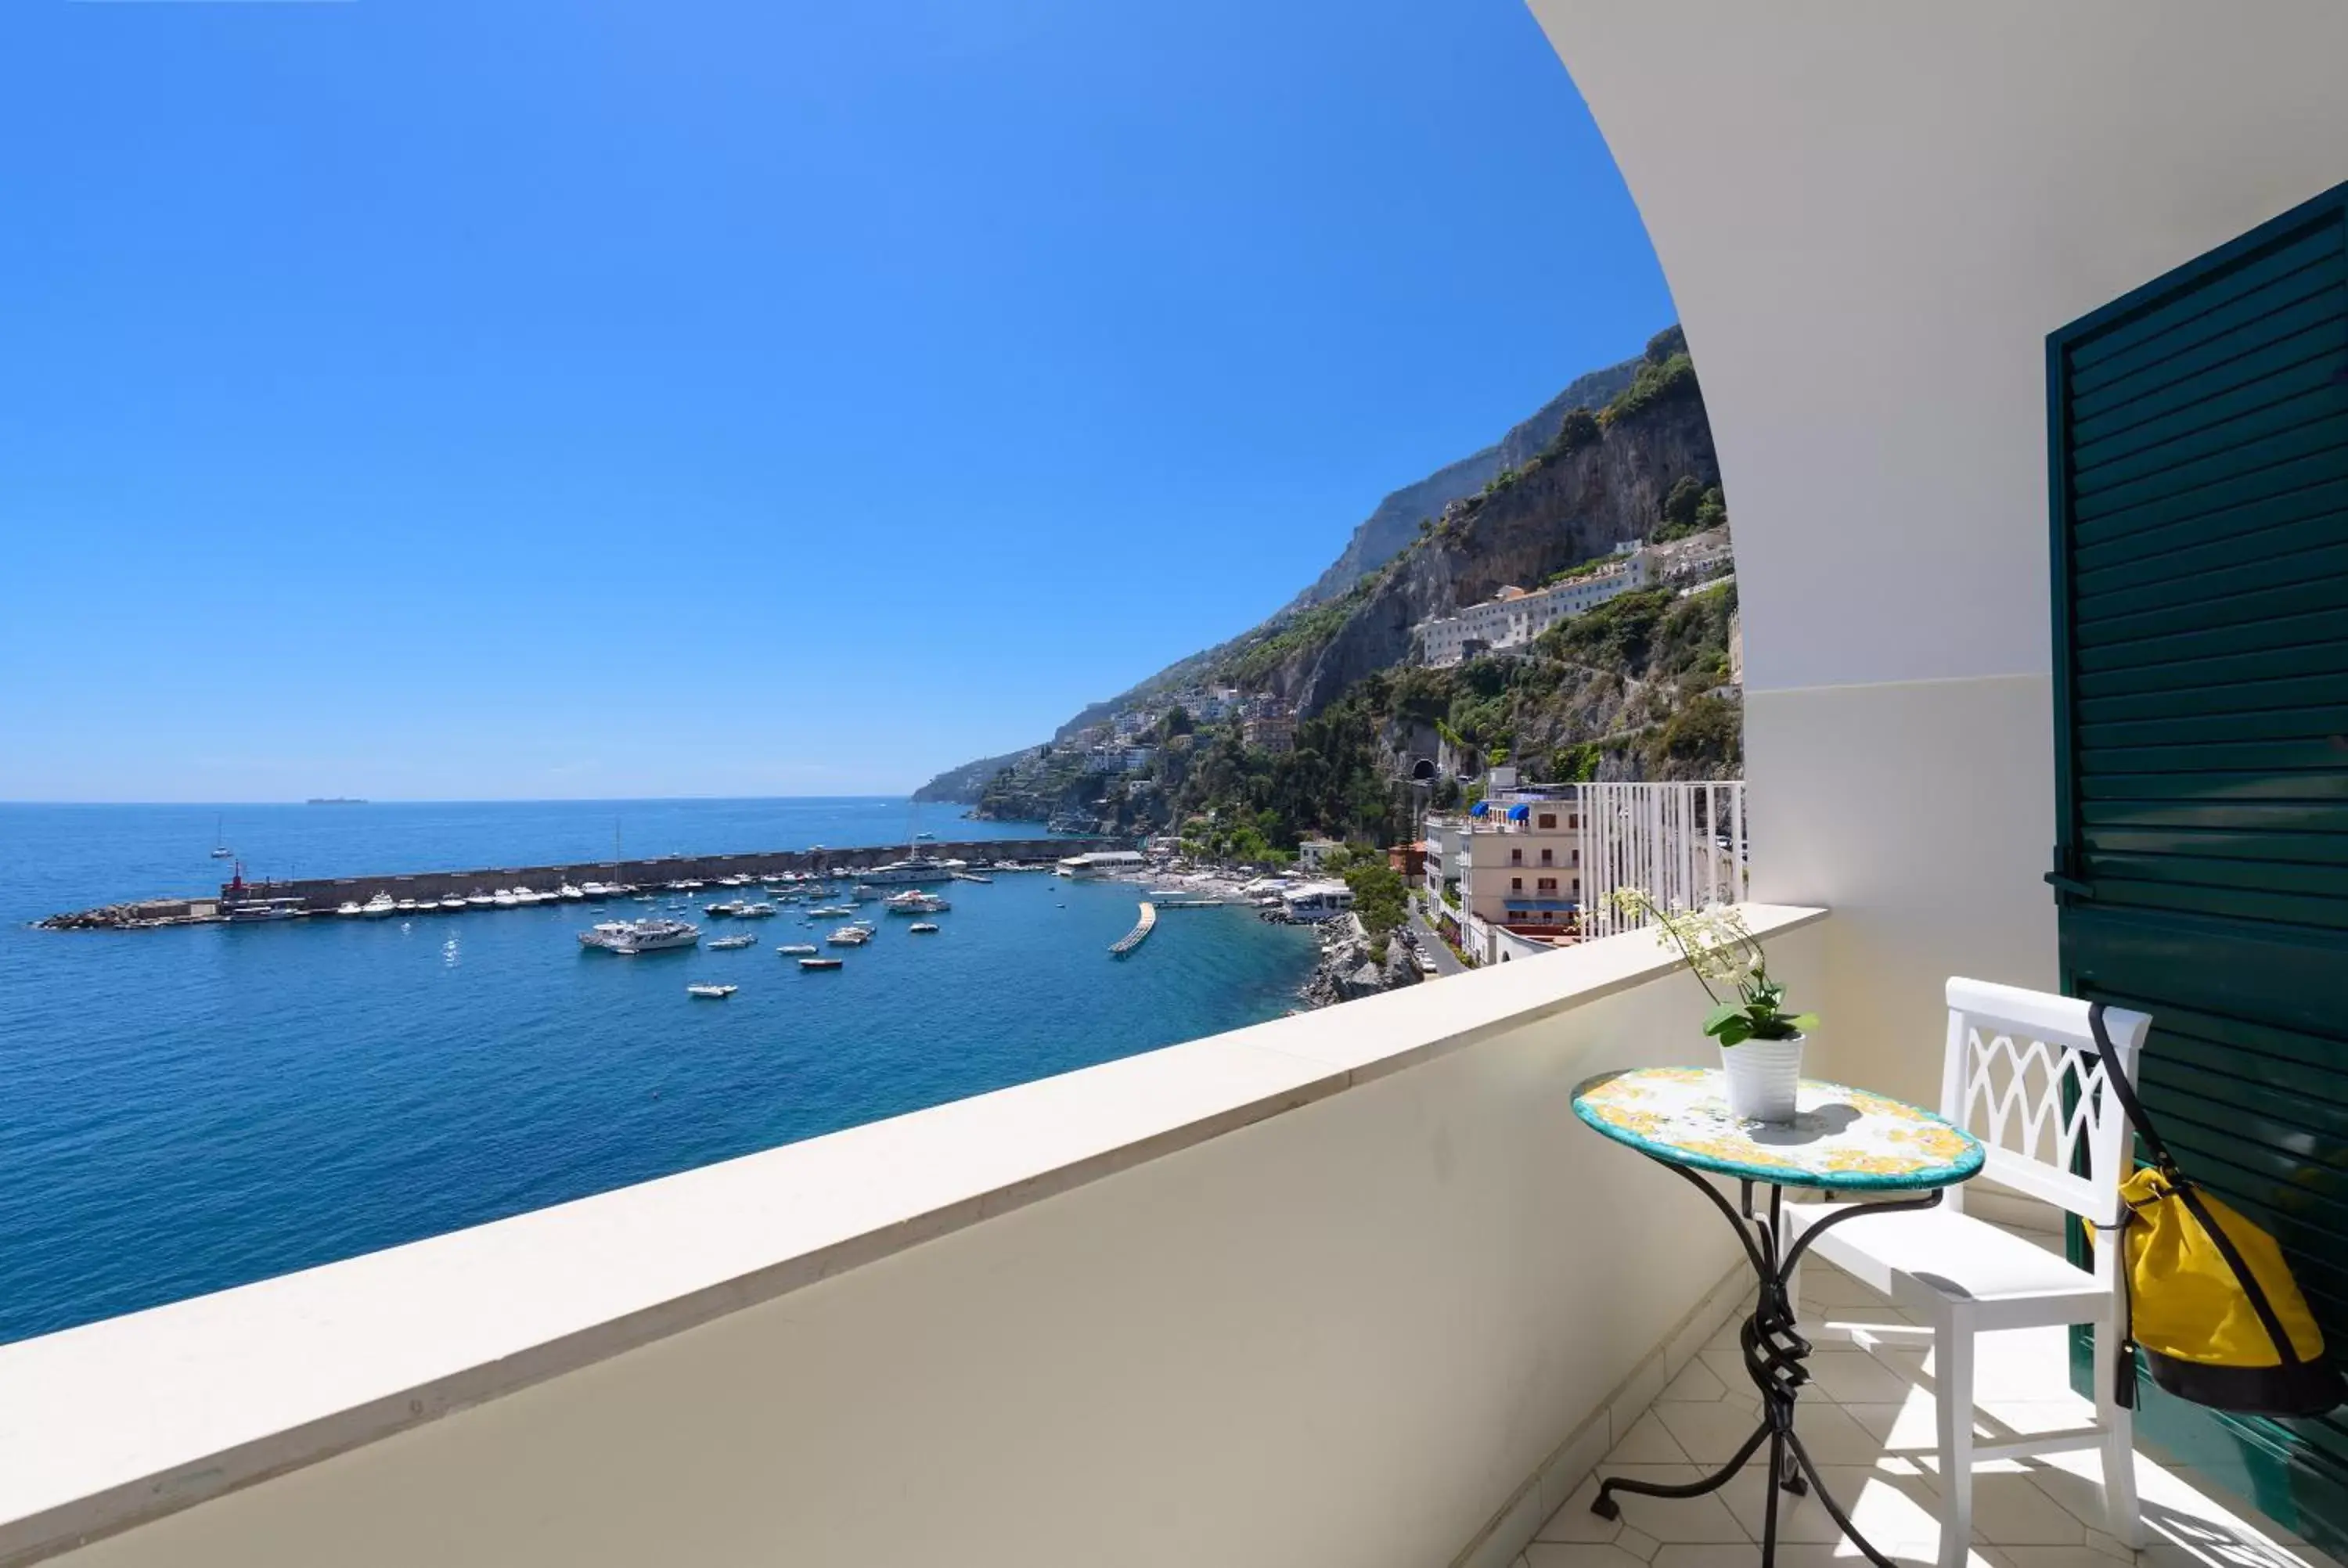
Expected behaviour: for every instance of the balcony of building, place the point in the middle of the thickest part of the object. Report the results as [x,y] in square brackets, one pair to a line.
[1352,1288]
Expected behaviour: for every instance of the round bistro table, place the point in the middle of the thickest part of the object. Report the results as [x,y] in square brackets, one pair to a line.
[1843,1138]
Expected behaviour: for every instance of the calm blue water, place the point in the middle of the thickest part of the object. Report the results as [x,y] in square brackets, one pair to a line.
[188,1110]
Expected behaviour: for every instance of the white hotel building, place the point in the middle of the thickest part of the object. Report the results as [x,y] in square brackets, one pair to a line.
[1513,617]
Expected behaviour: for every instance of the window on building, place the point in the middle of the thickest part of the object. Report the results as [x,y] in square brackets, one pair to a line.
[1546,853]
[1515,884]
[1516,858]
[1547,885]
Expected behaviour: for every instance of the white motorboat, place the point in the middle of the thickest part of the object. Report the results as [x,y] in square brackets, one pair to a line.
[729,944]
[923,927]
[797,950]
[754,911]
[916,902]
[849,936]
[350,907]
[819,963]
[379,906]
[478,901]
[406,906]
[640,936]
[710,993]
[506,898]
[568,891]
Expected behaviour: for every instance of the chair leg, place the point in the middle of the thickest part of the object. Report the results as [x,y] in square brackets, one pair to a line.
[2122,1517]
[1952,1410]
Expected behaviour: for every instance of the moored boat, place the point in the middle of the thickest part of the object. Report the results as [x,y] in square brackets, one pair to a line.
[728,944]
[710,993]
[820,963]
[797,950]
[923,927]
[379,906]
[640,936]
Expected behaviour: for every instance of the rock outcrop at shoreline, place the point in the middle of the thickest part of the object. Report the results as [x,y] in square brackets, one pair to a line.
[1349,968]
[120,917]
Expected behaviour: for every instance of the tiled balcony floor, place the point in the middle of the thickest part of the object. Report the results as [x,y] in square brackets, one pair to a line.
[1867,1418]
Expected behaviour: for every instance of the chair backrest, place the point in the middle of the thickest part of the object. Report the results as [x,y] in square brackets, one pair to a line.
[2015,1058]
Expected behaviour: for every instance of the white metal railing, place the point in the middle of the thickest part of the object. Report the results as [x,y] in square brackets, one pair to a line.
[1682,843]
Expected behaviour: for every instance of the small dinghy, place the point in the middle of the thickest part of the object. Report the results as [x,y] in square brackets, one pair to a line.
[820,963]
[923,927]
[797,950]
[710,993]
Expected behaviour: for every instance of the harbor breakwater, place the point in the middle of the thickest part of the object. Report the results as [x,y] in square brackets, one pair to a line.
[325,895]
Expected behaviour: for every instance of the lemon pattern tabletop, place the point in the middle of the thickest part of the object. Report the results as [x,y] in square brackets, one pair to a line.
[1848,1139]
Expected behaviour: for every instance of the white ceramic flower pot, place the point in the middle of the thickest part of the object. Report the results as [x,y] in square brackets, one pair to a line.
[1761,1075]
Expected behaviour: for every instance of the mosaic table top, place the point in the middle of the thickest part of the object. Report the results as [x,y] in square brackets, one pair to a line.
[1843,1138]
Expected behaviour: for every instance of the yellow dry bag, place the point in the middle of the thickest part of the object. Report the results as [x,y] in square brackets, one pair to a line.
[2210,1300]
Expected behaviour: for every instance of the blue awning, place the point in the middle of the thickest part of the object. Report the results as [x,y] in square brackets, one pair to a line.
[1481,808]
[1518,813]
[1536,904]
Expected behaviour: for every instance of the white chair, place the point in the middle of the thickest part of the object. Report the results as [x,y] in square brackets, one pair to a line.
[2011,1056]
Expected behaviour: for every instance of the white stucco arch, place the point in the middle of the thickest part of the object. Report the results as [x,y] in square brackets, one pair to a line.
[1870,216]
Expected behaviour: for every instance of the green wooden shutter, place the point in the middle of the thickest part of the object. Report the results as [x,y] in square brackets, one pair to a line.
[2198,430]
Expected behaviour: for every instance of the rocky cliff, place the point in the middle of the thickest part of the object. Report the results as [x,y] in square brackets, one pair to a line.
[1562,487]
[1557,513]
[1395,523]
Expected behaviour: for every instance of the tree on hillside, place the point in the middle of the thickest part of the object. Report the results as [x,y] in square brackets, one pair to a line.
[1380,897]
[1680,506]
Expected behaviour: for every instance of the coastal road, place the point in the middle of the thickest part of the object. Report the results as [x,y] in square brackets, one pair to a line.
[1430,941]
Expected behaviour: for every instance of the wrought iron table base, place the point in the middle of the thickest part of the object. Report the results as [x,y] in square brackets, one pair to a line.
[1774,1353]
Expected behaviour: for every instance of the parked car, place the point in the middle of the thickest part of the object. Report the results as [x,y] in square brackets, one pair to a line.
[1426,963]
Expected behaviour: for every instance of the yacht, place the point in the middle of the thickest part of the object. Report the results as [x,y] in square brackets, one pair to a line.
[452,902]
[709,993]
[350,907]
[478,901]
[406,906]
[506,898]
[379,906]
[568,891]
[912,869]
[724,908]
[849,936]
[728,944]
[923,927]
[640,936]
[797,950]
[916,902]
[245,910]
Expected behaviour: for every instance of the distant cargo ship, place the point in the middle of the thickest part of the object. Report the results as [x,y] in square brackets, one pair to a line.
[333,800]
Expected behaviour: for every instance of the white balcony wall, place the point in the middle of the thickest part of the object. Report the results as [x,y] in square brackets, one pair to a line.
[1328,1291]
[1870,216]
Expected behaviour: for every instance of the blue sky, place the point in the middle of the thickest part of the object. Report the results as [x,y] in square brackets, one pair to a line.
[523,398]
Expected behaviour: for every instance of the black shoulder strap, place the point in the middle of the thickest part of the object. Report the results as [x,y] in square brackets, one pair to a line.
[2124,1091]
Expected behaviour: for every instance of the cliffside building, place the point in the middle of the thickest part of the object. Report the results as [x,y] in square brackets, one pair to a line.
[1515,616]
[1510,862]
[1274,731]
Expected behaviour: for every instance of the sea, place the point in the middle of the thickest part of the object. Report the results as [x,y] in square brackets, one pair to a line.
[190,1109]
